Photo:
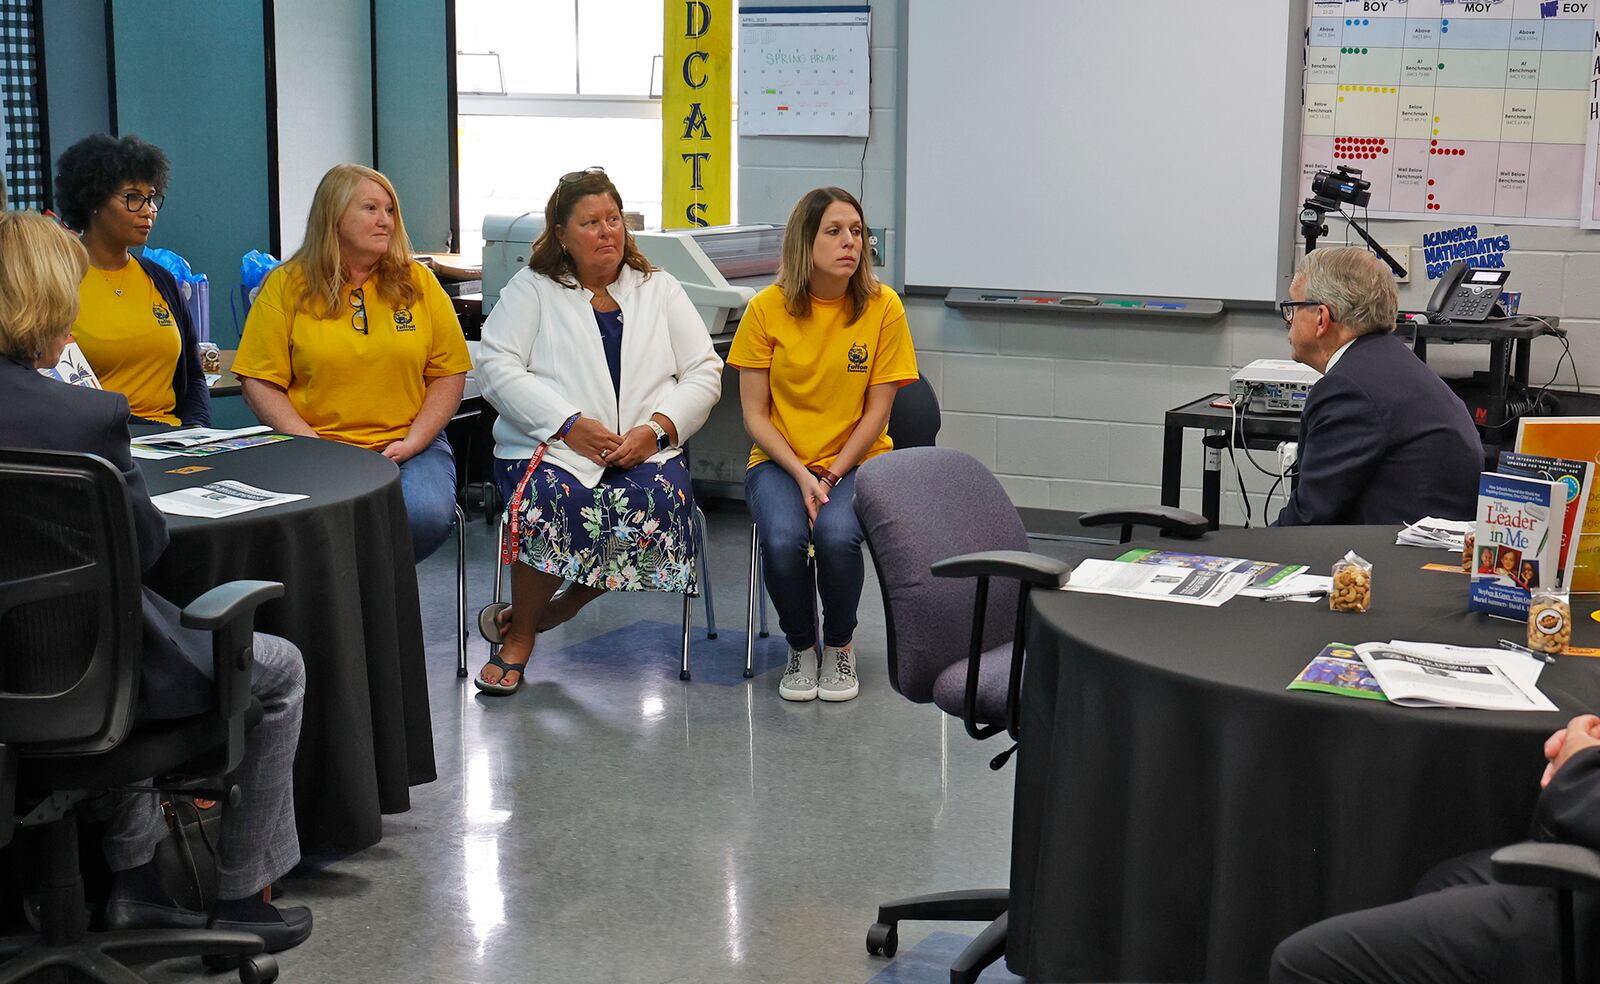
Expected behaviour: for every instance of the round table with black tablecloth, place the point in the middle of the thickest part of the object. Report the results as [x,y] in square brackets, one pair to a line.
[1178,812]
[350,604]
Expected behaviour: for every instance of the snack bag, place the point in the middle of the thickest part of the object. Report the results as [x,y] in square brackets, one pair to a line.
[1549,623]
[1352,584]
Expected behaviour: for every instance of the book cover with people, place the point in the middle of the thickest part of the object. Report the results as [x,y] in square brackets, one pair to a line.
[1577,479]
[1338,669]
[1517,542]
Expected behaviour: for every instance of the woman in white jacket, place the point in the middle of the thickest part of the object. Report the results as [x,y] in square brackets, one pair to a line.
[601,369]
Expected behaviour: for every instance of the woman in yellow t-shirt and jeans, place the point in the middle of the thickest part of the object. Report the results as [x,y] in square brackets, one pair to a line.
[351,340]
[133,326]
[820,355]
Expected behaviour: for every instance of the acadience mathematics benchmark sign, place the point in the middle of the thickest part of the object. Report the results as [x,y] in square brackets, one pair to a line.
[697,113]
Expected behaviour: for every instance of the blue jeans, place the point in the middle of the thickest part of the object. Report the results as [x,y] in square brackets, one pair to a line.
[780,515]
[428,482]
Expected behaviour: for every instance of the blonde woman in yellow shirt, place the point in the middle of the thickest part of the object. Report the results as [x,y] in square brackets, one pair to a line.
[351,340]
[820,355]
[133,326]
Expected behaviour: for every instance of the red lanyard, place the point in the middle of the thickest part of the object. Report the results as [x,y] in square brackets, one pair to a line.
[508,552]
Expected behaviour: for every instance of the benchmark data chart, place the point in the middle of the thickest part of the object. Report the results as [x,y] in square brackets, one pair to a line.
[1472,110]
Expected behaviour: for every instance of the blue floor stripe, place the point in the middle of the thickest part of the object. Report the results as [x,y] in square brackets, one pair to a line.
[654,647]
[929,963]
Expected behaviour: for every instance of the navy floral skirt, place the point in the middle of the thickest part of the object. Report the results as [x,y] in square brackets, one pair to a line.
[634,531]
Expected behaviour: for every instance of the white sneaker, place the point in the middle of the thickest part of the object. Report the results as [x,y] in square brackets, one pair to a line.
[838,680]
[799,676]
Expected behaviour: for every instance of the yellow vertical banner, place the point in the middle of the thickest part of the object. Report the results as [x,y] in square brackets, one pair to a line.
[697,113]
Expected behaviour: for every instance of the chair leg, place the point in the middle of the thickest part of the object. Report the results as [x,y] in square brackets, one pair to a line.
[461,592]
[704,554]
[688,612]
[761,593]
[985,948]
[750,604]
[977,905]
[499,571]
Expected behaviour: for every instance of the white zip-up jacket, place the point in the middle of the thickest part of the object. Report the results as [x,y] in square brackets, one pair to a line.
[541,360]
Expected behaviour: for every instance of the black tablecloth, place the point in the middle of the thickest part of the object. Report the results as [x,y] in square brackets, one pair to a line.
[1178,812]
[350,604]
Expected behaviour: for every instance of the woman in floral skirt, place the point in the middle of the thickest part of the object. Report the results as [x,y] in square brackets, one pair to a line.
[600,368]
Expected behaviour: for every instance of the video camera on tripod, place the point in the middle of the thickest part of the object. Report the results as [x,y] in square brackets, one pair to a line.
[1330,191]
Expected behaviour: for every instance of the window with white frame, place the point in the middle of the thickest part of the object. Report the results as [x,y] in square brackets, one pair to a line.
[550,86]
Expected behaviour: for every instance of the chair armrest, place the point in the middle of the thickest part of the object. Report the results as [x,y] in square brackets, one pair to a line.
[1030,568]
[229,612]
[1169,519]
[226,602]
[1569,866]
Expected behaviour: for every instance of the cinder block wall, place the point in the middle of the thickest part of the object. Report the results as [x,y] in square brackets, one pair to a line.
[1068,410]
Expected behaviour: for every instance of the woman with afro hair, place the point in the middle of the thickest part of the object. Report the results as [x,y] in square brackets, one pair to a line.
[133,325]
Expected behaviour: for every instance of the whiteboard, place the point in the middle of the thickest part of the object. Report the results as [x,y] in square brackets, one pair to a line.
[1101,146]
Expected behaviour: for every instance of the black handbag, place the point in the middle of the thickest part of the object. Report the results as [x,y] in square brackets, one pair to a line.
[187,857]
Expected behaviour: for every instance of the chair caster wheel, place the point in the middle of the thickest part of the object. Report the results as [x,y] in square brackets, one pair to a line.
[883,940]
[258,968]
[461,673]
[749,673]
[711,635]
[763,635]
[683,674]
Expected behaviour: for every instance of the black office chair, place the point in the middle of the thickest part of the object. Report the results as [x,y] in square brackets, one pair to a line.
[1567,868]
[914,422]
[70,640]
[933,518]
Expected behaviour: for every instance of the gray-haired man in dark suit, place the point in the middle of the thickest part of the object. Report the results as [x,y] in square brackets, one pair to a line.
[1382,438]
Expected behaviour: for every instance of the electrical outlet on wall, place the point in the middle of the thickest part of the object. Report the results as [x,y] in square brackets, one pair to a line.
[881,242]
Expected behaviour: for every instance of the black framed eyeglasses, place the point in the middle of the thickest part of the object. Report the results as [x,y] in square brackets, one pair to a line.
[136,201]
[358,317]
[1286,308]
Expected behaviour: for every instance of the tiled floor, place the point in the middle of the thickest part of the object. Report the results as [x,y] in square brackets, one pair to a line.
[610,823]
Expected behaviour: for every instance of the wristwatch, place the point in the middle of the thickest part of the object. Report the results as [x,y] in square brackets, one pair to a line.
[662,442]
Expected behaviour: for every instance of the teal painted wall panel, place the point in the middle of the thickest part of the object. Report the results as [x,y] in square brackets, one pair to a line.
[414,114]
[191,78]
[75,72]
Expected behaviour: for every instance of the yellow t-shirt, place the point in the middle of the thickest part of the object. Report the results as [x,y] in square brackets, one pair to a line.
[820,368]
[361,389]
[130,339]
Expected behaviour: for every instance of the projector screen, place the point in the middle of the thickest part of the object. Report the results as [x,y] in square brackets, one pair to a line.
[1103,147]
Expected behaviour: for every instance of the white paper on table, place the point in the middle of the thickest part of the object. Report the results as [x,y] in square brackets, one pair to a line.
[151,454]
[1430,531]
[1156,582]
[194,437]
[1300,584]
[1511,682]
[219,499]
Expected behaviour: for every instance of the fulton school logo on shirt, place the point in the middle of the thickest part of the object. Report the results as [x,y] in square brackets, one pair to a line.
[162,315]
[403,321]
[858,358]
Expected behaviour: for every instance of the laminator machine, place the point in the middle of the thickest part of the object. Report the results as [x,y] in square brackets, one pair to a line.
[720,267]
